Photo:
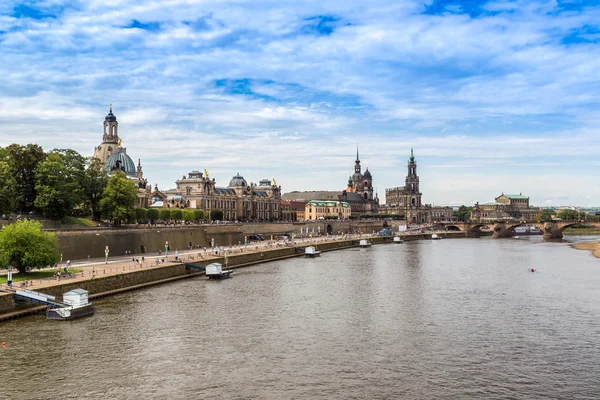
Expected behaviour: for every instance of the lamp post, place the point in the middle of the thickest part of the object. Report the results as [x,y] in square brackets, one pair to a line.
[105,249]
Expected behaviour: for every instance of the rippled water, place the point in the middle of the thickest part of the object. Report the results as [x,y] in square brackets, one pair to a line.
[449,319]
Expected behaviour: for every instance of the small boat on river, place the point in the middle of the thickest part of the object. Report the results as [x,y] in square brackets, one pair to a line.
[311,252]
[364,243]
[75,305]
[398,239]
[216,271]
[435,236]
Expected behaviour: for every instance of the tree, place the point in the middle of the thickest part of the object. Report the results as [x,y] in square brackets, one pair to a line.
[198,215]
[216,215]
[24,245]
[188,215]
[568,215]
[118,199]
[545,215]
[152,214]
[23,161]
[176,214]
[93,184]
[58,185]
[8,189]
[141,215]
[165,214]
[463,213]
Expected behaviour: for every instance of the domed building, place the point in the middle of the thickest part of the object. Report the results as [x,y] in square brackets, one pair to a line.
[115,158]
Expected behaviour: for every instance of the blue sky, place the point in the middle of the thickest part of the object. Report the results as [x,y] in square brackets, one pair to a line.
[496,96]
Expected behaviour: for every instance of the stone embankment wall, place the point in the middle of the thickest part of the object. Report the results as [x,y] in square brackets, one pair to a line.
[79,244]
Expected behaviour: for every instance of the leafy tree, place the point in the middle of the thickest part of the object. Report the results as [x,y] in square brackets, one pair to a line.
[545,215]
[216,214]
[199,215]
[188,215]
[152,214]
[8,188]
[176,214]
[165,214]
[58,184]
[118,199]
[141,215]
[24,161]
[463,213]
[24,245]
[93,183]
[568,215]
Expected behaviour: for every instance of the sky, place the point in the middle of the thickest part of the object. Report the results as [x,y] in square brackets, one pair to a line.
[493,96]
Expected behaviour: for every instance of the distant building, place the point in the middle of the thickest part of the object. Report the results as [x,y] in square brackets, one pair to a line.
[505,207]
[115,158]
[359,193]
[406,200]
[317,209]
[292,210]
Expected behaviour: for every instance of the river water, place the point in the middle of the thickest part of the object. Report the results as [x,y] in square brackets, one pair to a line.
[448,319]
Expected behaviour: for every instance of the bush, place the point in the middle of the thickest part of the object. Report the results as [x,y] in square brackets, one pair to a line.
[216,215]
[199,215]
[188,215]
[176,214]
[141,215]
[165,214]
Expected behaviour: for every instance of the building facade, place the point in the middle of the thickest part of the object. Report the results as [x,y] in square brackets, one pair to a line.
[505,207]
[317,209]
[406,200]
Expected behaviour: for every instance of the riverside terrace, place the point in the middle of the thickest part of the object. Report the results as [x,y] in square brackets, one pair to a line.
[123,274]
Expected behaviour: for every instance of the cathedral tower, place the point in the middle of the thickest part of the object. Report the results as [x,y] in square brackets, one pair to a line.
[412,182]
[110,140]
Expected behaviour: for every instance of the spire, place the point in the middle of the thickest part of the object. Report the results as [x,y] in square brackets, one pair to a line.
[357,159]
[110,108]
[412,156]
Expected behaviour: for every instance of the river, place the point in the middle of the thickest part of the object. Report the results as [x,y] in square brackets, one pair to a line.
[447,319]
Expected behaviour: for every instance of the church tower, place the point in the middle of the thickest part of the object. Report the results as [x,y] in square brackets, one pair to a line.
[110,140]
[412,182]
[357,177]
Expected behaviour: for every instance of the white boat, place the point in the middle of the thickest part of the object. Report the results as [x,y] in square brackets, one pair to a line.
[75,305]
[435,236]
[311,252]
[364,243]
[216,271]
[398,239]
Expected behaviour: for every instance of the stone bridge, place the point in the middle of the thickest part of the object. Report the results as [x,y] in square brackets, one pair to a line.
[552,230]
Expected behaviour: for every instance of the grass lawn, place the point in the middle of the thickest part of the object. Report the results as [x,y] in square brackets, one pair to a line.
[582,231]
[78,221]
[48,273]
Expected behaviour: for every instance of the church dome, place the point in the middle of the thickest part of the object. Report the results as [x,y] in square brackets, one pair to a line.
[357,177]
[110,117]
[367,174]
[237,181]
[120,160]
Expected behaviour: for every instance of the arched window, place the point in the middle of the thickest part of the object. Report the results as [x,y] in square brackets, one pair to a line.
[413,202]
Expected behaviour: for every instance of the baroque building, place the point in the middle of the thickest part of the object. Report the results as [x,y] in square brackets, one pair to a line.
[239,200]
[505,207]
[114,157]
[406,200]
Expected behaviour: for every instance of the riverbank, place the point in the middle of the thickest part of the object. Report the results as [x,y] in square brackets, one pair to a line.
[581,231]
[594,247]
[101,281]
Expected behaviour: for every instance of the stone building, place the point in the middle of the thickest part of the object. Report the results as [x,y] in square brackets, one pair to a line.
[406,200]
[292,210]
[359,193]
[505,207]
[317,209]
[115,157]
[239,200]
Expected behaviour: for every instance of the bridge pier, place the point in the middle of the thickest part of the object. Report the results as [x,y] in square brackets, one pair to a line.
[552,232]
[500,231]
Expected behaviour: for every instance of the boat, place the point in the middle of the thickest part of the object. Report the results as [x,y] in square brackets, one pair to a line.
[398,239]
[526,230]
[75,305]
[435,236]
[364,243]
[311,252]
[216,271]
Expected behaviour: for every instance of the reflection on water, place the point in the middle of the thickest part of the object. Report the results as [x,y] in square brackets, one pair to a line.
[460,319]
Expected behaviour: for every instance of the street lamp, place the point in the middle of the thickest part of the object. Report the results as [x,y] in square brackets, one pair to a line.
[106,249]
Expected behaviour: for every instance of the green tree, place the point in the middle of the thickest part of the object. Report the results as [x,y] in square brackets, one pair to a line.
[463,213]
[24,161]
[58,185]
[141,215]
[152,214]
[199,215]
[188,215]
[93,183]
[176,214]
[568,215]
[118,199]
[24,245]
[545,216]
[165,214]
[216,215]
[8,188]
